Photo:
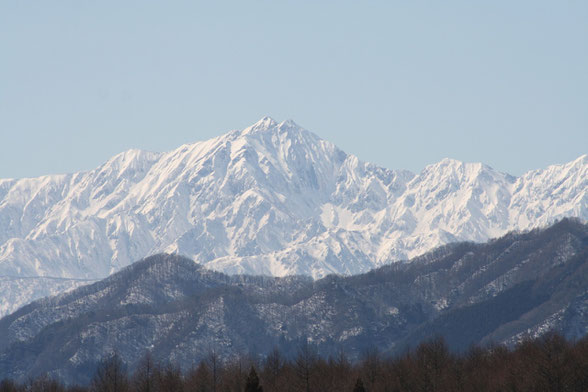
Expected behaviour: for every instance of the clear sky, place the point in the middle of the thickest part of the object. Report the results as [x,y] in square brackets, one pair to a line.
[398,83]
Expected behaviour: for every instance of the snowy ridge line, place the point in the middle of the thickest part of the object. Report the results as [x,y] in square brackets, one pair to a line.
[272,199]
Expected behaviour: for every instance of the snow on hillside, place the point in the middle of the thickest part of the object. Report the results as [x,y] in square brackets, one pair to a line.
[271,199]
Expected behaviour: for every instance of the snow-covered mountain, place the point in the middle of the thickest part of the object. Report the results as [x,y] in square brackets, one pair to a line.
[271,199]
[521,285]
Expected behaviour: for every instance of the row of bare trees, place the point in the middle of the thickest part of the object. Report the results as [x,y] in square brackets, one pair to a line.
[549,363]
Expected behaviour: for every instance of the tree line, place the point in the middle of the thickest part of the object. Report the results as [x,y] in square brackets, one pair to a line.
[549,363]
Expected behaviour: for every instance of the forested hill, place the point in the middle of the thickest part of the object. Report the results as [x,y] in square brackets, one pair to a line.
[522,284]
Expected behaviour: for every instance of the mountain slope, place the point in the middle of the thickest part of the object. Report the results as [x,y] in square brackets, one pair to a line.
[501,291]
[271,199]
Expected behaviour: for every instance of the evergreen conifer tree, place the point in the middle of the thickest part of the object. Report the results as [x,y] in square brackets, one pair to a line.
[359,386]
[252,383]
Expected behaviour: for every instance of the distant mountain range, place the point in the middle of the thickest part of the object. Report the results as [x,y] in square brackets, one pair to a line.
[522,284]
[271,199]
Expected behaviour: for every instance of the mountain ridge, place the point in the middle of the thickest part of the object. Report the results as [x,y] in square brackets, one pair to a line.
[271,199]
[522,284]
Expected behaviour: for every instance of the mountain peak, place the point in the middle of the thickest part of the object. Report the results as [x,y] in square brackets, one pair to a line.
[452,166]
[581,160]
[132,155]
[263,124]
[269,124]
[273,199]
[288,124]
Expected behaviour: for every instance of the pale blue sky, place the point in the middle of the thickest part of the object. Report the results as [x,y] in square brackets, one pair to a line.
[400,84]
